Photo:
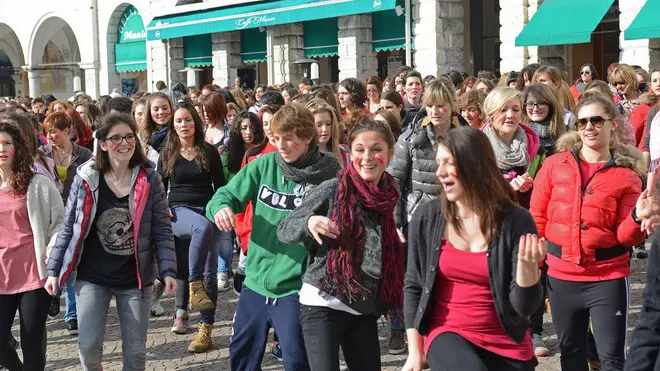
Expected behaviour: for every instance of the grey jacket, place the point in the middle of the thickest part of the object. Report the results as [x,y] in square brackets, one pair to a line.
[148,205]
[79,155]
[320,201]
[414,168]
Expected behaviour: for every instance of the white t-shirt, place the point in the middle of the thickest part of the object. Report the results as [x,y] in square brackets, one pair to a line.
[313,297]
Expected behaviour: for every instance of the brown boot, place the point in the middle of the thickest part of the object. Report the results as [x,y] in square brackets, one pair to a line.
[198,298]
[202,342]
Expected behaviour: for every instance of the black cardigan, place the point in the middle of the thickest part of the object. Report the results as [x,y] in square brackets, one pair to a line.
[514,304]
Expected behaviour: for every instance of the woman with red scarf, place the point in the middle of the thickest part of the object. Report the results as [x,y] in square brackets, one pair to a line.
[356,265]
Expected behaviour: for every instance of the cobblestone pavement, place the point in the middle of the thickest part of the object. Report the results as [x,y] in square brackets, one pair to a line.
[167,351]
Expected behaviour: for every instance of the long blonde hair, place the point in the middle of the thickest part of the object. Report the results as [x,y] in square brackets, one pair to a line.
[318,105]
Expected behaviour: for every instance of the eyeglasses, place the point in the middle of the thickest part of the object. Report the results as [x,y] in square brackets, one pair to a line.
[532,105]
[585,72]
[619,83]
[596,121]
[117,139]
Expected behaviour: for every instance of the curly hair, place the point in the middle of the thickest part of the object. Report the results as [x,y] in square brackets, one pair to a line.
[21,168]
[357,90]
[236,147]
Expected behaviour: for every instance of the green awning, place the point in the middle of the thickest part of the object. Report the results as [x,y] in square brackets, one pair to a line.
[198,51]
[253,45]
[558,22]
[321,38]
[131,57]
[645,25]
[262,14]
[389,29]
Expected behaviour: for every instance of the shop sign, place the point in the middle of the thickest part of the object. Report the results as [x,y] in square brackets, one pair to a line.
[131,28]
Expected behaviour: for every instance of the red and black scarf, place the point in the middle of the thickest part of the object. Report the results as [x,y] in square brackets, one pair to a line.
[354,195]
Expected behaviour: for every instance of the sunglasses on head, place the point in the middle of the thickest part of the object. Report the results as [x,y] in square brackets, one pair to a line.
[585,72]
[596,121]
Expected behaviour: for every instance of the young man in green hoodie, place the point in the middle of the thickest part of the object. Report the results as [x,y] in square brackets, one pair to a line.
[276,184]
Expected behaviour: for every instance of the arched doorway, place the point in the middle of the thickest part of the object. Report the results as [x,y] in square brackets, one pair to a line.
[11,62]
[55,58]
[127,51]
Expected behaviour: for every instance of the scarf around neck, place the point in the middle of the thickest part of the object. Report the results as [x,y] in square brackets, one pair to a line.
[354,196]
[509,156]
[542,128]
[313,167]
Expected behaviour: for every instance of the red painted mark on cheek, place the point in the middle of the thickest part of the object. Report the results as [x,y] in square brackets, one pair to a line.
[453,174]
[295,146]
[115,146]
[357,161]
[12,152]
[55,136]
[380,158]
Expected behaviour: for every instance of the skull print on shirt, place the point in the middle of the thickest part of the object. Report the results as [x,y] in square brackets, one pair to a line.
[115,231]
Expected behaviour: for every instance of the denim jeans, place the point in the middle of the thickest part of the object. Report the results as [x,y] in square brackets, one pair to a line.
[189,222]
[70,299]
[225,251]
[182,295]
[133,308]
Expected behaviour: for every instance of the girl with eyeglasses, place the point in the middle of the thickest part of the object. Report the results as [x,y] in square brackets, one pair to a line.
[588,73]
[544,114]
[117,236]
[587,202]
[31,215]
[192,172]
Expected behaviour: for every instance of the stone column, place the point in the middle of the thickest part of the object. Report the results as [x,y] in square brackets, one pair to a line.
[34,81]
[439,36]
[287,48]
[635,51]
[226,57]
[356,56]
[19,86]
[92,87]
[514,14]
[175,64]
[156,63]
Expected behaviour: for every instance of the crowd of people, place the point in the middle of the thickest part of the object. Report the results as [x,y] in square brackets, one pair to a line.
[458,208]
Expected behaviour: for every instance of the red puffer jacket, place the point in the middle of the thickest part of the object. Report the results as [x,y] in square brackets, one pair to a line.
[588,230]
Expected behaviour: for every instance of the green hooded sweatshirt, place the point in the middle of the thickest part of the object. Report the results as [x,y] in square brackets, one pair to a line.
[274,269]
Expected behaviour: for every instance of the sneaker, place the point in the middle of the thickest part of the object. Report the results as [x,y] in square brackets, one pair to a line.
[223,282]
[157,310]
[54,307]
[202,342]
[277,352]
[72,326]
[540,350]
[180,322]
[640,252]
[198,298]
[397,342]
[342,365]
[238,283]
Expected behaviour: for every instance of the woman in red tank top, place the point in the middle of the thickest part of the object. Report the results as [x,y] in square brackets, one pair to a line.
[472,279]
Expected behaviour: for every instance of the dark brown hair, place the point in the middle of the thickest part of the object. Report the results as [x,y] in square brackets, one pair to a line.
[486,190]
[236,146]
[151,125]
[21,168]
[25,124]
[372,125]
[215,107]
[330,97]
[375,80]
[392,120]
[102,161]
[172,150]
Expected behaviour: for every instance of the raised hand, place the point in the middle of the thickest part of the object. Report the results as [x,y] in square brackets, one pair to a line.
[531,250]
[320,225]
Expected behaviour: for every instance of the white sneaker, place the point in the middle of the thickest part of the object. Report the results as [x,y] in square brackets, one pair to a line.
[157,310]
[223,282]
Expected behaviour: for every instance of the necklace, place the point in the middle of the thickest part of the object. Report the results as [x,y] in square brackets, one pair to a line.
[62,157]
[187,151]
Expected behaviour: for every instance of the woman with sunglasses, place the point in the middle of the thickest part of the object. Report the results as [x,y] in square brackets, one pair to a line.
[117,236]
[192,171]
[588,239]
[624,79]
[588,73]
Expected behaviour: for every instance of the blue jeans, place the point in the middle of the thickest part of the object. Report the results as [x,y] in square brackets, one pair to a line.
[255,315]
[70,298]
[133,308]
[226,252]
[189,222]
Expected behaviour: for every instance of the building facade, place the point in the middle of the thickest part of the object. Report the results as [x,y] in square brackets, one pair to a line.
[63,46]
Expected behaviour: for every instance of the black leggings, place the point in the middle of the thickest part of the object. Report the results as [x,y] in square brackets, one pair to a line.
[606,303]
[450,351]
[32,309]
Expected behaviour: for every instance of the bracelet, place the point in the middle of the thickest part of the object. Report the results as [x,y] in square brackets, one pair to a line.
[633,213]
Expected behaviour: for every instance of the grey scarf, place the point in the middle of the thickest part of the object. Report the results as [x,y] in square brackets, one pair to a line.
[509,157]
[313,167]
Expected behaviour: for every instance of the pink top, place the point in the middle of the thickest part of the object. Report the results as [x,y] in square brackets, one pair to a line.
[19,271]
[463,304]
